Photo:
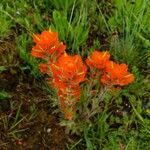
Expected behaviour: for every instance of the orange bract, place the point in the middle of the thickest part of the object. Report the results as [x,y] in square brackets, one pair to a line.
[43,68]
[69,69]
[98,59]
[69,115]
[47,44]
[68,72]
[45,38]
[117,74]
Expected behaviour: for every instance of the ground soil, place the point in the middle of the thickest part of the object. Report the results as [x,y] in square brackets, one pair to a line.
[26,117]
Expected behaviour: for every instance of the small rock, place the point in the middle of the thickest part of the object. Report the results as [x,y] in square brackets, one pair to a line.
[49,130]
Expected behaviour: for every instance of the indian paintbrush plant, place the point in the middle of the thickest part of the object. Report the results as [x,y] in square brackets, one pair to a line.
[67,72]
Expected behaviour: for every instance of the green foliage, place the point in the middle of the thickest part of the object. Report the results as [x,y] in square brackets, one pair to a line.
[64,5]
[71,25]
[130,23]
[4,95]
[24,53]
[5,24]
[125,109]
[28,14]
[2,68]
[95,134]
[98,136]
[73,29]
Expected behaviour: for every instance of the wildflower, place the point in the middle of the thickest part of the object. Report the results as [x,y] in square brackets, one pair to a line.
[69,114]
[69,69]
[67,105]
[47,44]
[45,39]
[98,59]
[68,72]
[117,74]
[43,68]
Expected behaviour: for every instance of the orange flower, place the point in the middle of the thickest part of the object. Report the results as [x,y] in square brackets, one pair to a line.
[69,115]
[59,84]
[47,44]
[43,68]
[69,69]
[98,59]
[38,52]
[68,72]
[46,38]
[117,74]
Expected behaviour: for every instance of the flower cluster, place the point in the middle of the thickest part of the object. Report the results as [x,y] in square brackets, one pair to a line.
[47,45]
[111,73]
[98,59]
[67,72]
[117,74]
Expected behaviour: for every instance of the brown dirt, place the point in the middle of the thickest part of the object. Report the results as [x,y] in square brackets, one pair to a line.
[35,125]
